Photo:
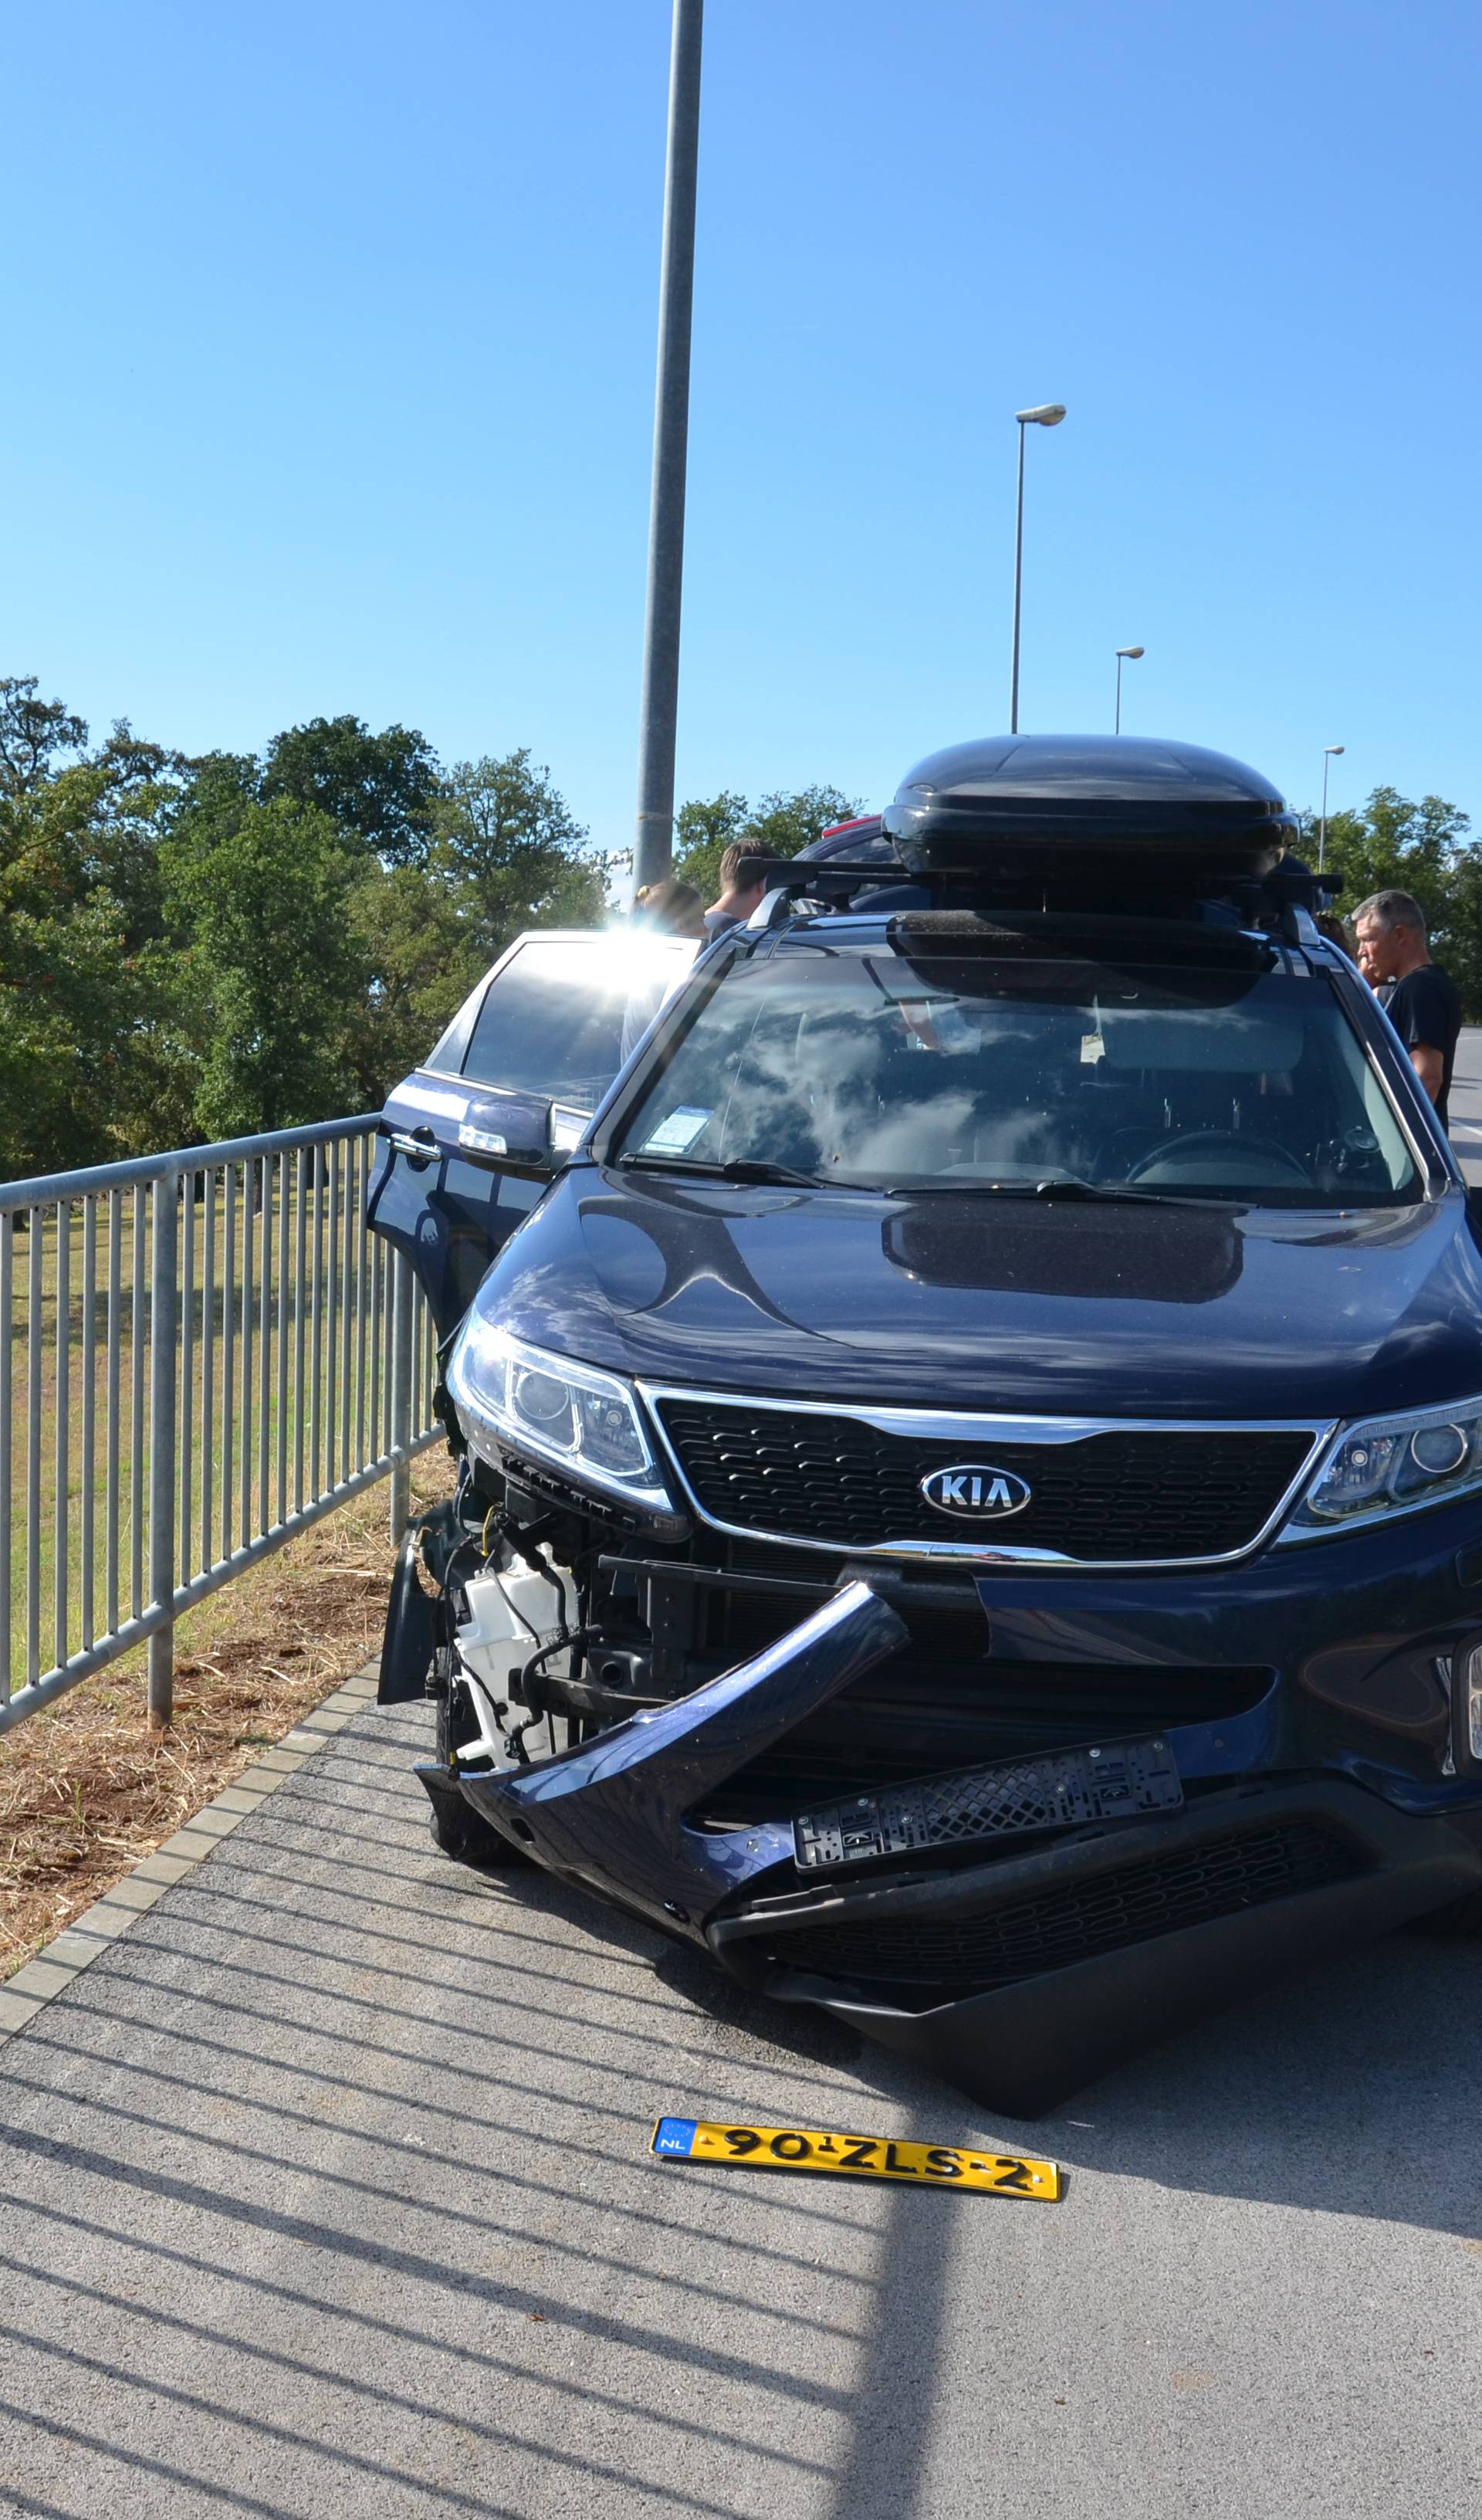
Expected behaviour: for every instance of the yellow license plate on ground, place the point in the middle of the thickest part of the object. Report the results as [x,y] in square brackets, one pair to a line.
[856,2156]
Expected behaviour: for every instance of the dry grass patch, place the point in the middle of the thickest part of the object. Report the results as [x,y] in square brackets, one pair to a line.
[86,1791]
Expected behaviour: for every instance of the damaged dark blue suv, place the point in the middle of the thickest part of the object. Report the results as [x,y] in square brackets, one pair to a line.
[970,1492]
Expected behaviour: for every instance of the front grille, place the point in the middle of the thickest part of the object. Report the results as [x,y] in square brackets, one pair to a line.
[928,1959]
[1149,1493]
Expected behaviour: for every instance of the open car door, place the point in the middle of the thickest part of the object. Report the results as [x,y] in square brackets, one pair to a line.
[473,1135]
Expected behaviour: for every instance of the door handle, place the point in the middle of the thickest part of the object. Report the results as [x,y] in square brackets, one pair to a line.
[419,1147]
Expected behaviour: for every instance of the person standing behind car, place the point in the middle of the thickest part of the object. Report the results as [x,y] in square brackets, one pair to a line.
[665,908]
[741,891]
[1368,953]
[669,908]
[1423,1003]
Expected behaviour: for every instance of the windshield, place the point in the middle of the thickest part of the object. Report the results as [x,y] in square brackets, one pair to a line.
[861,1066]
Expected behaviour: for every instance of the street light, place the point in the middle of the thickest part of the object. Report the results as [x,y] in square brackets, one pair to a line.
[654,844]
[1121,653]
[1045,414]
[1328,749]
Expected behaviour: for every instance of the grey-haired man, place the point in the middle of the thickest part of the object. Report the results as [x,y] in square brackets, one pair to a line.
[1421,1000]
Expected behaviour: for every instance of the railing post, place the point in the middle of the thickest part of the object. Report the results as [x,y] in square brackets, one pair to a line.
[401,1395]
[164,1262]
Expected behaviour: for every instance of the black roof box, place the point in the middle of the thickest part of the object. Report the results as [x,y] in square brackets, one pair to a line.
[1026,805]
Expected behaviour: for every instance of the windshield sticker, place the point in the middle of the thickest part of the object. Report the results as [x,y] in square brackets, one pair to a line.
[1092,1047]
[679,1131]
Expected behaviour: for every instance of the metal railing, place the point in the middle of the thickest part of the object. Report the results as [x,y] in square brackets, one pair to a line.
[213,1353]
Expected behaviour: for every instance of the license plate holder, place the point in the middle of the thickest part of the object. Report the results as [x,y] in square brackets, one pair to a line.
[1063,1789]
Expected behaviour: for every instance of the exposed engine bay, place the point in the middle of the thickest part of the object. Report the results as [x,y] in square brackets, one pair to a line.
[552,1625]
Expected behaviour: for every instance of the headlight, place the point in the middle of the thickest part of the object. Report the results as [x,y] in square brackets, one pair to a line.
[574,1416]
[1389,1465]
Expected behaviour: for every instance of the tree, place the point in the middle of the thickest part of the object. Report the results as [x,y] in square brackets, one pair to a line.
[1391,843]
[86,1073]
[107,814]
[235,942]
[419,961]
[1459,942]
[380,788]
[793,818]
[272,963]
[31,733]
[703,832]
[787,821]
[90,1058]
[511,854]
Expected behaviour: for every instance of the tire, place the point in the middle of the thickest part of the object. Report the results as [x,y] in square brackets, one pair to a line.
[1459,1921]
[456,1828]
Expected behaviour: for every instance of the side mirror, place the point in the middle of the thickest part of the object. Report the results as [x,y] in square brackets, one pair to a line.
[569,1127]
[520,1132]
[509,1129]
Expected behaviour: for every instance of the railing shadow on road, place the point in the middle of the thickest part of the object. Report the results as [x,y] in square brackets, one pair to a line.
[146,2236]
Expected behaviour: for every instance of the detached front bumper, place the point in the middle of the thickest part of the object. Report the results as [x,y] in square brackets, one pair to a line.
[1025,1978]
[1019,1976]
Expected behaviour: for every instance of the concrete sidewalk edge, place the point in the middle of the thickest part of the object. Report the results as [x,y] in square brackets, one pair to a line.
[119,1909]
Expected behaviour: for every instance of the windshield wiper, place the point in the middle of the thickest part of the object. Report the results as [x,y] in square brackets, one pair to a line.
[751,1168]
[1057,1185]
[1057,1188]
[739,1168]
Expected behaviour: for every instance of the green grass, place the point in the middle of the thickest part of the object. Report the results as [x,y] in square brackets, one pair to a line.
[257,1468]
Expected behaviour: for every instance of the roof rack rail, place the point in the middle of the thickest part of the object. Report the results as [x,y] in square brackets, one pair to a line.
[1284,899]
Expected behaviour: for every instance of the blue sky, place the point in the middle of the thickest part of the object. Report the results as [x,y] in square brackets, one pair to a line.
[330,383]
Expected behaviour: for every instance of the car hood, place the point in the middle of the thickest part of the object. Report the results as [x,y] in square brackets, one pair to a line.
[984,1302]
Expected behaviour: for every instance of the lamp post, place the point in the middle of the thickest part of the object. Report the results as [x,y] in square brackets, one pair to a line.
[654,844]
[1045,414]
[1328,749]
[1121,653]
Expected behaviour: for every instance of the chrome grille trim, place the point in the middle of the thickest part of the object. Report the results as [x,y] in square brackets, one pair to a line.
[972,1427]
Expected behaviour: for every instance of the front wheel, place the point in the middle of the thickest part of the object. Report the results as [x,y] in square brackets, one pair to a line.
[1459,1921]
[456,1828]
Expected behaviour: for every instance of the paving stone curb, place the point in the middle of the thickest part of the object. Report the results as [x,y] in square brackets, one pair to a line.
[120,1910]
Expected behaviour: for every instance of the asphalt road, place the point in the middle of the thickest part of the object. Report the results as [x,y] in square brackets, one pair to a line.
[326,2192]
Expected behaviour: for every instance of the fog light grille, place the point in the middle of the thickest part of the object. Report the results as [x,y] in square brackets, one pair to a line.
[927,1958]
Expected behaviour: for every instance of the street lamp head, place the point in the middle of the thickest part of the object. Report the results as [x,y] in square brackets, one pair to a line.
[1334,747]
[1132,652]
[1049,415]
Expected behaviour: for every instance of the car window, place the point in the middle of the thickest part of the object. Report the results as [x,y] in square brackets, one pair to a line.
[866,1068]
[551,1022]
[872,847]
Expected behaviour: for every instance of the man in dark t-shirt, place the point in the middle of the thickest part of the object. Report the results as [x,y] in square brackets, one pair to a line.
[741,891]
[1420,1001]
